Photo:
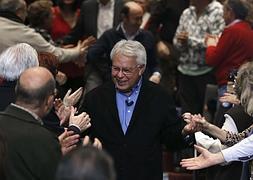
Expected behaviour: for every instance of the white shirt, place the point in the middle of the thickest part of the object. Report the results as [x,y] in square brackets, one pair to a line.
[214,145]
[242,151]
[105,17]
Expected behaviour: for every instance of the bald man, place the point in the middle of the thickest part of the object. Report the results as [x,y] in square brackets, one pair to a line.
[33,152]
[99,54]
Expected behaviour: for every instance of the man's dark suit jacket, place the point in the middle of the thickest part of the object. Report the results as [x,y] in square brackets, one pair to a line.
[7,94]
[138,153]
[33,152]
[99,54]
[87,23]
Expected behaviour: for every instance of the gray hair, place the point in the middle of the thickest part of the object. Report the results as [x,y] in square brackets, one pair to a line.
[130,48]
[11,5]
[15,59]
[244,86]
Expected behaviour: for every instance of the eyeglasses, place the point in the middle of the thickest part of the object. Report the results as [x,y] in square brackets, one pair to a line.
[125,71]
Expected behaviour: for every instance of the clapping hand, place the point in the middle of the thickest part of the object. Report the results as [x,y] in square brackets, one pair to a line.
[68,141]
[82,120]
[72,99]
[96,143]
[194,124]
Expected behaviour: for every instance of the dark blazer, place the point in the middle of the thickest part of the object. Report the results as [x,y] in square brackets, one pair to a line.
[87,23]
[7,94]
[33,152]
[138,153]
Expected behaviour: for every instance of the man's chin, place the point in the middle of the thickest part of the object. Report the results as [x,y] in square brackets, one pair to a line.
[123,89]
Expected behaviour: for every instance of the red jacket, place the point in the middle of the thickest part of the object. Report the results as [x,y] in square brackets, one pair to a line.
[235,47]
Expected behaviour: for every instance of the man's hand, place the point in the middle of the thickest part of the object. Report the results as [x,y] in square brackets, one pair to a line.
[182,38]
[82,120]
[96,143]
[68,141]
[72,99]
[155,78]
[211,40]
[162,49]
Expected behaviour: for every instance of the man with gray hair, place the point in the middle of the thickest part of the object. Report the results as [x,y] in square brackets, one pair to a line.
[132,116]
[13,61]
[13,31]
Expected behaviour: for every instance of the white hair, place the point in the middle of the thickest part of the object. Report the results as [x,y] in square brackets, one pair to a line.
[15,59]
[132,49]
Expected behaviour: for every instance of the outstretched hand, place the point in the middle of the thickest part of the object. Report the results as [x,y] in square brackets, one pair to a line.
[205,159]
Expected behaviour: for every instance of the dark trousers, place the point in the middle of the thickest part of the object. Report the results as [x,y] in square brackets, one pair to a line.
[191,91]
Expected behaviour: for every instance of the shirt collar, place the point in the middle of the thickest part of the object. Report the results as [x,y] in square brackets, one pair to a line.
[110,2]
[128,37]
[234,22]
[28,111]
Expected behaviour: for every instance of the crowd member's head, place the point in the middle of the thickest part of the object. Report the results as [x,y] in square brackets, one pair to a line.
[73,4]
[86,163]
[244,86]
[17,7]
[235,9]
[144,4]
[15,59]
[40,14]
[49,61]
[131,15]
[35,90]
[129,60]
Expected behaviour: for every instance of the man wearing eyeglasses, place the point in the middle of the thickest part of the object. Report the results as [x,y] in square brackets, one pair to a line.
[132,116]
[99,54]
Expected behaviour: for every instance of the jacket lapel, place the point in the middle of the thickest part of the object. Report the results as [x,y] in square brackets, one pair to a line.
[142,102]
[111,101]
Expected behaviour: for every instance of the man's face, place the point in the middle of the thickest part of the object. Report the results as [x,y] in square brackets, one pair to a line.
[134,19]
[126,72]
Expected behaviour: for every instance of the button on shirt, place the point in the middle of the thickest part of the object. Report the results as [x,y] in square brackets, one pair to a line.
[126,104]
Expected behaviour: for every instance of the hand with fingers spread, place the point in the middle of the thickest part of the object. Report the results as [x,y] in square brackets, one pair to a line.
[205,159]
[72,99]
[63,114]
[96,143]
[68,141]
[82,121]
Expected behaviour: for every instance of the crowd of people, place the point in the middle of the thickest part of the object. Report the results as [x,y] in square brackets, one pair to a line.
[98,89]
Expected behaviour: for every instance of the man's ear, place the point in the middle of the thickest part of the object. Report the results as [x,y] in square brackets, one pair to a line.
[142,69]
[49,101]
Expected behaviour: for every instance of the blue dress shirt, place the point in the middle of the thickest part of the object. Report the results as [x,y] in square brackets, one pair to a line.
[126,104]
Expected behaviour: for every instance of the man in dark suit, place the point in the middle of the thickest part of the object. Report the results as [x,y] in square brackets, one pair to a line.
[33,152]
[87,24]
[133,117]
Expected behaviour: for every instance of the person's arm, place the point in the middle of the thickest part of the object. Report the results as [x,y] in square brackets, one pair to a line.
[242,151]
